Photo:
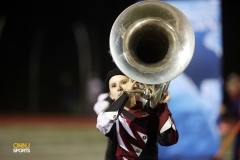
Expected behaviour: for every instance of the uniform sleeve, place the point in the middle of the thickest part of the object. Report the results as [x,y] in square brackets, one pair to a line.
[168,134]
[107,118]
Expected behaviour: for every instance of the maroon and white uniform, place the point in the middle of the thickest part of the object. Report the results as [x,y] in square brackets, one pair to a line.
[134,133]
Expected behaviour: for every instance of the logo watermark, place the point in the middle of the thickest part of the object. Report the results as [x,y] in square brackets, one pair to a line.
[21,147]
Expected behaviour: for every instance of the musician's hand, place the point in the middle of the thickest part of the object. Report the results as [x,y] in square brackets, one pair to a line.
[165,98]
[130,85]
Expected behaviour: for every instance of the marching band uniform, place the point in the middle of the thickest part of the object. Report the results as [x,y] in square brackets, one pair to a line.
[134,133]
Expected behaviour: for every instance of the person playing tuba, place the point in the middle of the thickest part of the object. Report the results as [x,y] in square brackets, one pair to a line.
[151,43]
[133,126]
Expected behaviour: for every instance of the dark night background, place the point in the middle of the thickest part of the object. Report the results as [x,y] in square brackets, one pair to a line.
[40,36]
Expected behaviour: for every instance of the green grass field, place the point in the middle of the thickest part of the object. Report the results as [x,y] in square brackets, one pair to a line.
[51,137]
[53,143]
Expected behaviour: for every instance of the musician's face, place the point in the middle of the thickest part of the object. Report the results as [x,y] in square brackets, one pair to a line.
[116,85]
[233,87]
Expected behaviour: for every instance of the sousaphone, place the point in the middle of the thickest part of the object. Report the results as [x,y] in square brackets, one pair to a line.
[152,42]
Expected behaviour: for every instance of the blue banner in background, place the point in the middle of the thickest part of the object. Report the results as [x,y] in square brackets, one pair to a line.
[196,95]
